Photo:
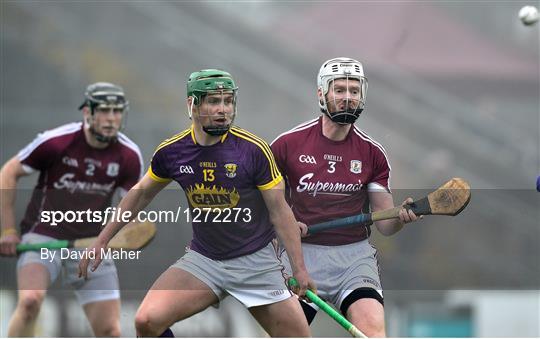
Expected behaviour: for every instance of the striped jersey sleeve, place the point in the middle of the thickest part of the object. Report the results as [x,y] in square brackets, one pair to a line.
[159,169]
[134,165]
[266,172]
[41,153]
[380,181]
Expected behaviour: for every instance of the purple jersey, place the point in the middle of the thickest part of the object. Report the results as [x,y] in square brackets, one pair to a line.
[227,178]
[75,177]
[329,179]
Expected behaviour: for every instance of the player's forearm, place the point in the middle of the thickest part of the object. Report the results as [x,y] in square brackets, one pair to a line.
[389,227]
[7,212]
[285,225]
[8,184]
[289,234]
[381,201]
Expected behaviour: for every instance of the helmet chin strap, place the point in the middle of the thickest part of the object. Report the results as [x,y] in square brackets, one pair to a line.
[345,117]
[216,131]
[101,138]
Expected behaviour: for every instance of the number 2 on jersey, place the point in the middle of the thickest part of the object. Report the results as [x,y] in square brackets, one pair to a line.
[90,168]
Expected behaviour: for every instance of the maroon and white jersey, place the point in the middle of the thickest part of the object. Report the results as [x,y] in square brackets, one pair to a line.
[329,179]
[76,177]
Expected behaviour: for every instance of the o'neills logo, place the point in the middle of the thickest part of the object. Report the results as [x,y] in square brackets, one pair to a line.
[66,182]
[325,187]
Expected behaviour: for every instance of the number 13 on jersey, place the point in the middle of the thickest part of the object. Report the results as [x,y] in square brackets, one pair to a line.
[208,175]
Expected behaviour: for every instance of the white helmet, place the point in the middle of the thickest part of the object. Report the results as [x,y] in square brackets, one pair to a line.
[342,68]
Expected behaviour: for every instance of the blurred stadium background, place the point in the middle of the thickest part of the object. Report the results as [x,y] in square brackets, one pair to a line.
[454,90]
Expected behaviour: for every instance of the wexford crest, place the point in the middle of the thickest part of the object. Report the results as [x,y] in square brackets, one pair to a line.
[231,170]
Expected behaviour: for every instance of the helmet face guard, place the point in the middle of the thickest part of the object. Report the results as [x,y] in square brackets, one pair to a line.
[217,85]
[105,95]
[345,78]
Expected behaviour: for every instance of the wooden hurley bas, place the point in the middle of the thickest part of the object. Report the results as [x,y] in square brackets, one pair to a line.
[449,199]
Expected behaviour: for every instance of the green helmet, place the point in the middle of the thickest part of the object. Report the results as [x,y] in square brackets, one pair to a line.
[201,82]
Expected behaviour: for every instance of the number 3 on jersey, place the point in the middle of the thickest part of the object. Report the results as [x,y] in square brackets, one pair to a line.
[331,166]
[208,175]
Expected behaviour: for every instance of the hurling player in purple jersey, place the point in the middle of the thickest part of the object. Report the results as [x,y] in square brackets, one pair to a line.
[232,173]
[81,165]
[335,170]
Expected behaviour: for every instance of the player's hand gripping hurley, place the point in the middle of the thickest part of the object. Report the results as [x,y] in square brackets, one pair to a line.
[449,199]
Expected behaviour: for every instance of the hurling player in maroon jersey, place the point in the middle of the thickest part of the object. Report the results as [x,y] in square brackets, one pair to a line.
[232,173]
[334,170]
[80,166]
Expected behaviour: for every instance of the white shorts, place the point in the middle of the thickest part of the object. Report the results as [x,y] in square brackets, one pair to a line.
[254,279]
[101,285]
[339,270]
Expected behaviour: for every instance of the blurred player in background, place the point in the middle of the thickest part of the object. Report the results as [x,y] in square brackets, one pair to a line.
[335,170]
[232,173]
[81,164]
